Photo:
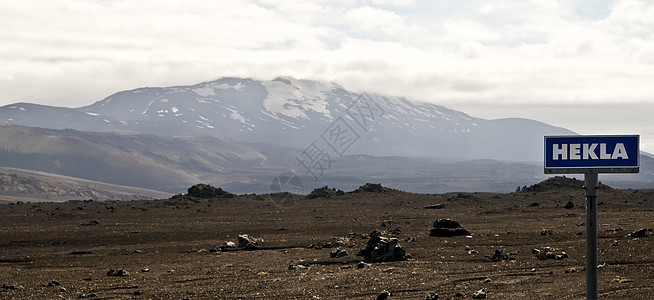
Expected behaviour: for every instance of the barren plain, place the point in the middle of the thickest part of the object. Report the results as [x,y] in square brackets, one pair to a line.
[171,249]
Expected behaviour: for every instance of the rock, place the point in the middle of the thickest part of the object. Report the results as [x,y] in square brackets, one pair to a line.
[432,296]
[87,296]
[384,295]
[546,232]
[117,273]
[206,191]
[371,188]
[11,287]
[54,283]
[224,246]
[569,205]
[447,228]
[381,248]
[91,223]
[324,192]
[435,206]
[362,265]
[248,243]
[446,223]
[640,233]
[480,294]
[338,252]
[499,255]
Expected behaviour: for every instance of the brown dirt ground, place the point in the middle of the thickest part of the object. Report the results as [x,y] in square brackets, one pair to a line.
[42,242]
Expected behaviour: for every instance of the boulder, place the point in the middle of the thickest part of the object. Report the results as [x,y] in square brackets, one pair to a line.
[206,191]
[640,233]
[380,248]
[248,243]
[499,255]
[447,228]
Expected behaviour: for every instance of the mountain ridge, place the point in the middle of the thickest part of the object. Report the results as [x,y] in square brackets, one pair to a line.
[295,112]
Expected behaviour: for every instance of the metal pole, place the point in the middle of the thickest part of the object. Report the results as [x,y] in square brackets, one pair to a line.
[591,186]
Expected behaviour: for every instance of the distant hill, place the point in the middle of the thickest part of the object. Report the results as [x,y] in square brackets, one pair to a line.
[26,185]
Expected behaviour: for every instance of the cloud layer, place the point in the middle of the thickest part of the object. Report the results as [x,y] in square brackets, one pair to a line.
[463,54]
[71,52]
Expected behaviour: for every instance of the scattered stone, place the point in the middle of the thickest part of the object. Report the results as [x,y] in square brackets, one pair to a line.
[432,296]
[362,265]
[447,228]
[615,243]
[569,205]
[91,223]
[546,232]
[534,204]
[547,253]
[206,191]
[435,206]
[384,295]
[117,273]
[640,233]
[480,294]
[381,248]
[63,289]
[472,252]
[248,243]
[145,270]
[338,252]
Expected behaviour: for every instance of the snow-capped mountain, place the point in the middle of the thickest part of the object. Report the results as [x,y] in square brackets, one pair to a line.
[299,113]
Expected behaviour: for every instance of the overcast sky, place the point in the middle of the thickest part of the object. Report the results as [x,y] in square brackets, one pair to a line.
[587,65]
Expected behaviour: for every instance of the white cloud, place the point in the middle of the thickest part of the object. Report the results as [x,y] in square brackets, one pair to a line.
[72,52]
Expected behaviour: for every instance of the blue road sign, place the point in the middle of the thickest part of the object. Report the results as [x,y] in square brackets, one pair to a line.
[592,154]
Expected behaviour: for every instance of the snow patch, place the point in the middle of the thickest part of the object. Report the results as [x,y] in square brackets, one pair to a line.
[204,91]
[235,115]
[295,99]
[174,109]
[224,86]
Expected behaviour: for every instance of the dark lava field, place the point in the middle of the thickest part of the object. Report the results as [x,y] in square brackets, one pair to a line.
[529,244]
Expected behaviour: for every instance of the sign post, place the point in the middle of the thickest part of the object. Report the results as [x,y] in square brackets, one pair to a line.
[591,155]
